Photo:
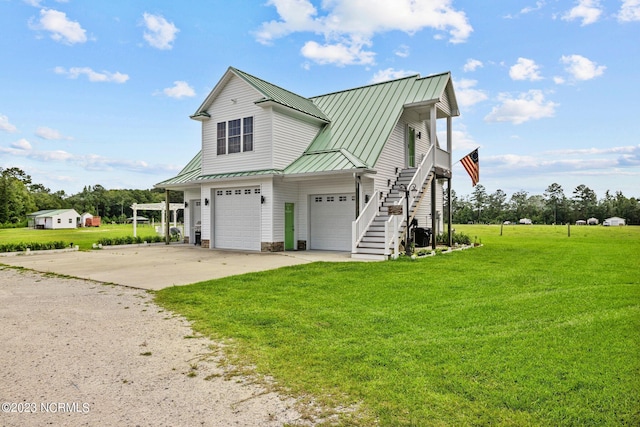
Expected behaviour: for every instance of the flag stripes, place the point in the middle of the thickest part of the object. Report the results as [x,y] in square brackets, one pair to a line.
[471,164]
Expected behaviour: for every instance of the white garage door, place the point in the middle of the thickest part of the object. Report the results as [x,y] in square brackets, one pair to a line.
[237,218]
[331,218]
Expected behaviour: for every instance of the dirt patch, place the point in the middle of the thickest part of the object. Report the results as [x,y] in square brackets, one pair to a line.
[76,352]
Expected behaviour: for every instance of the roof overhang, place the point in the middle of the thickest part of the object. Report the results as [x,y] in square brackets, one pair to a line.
[320,174]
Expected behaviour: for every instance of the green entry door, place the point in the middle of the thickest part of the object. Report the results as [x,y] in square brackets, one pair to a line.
[411,148]
[288,227]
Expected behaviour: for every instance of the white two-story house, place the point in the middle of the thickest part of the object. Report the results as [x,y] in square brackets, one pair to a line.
[278,171]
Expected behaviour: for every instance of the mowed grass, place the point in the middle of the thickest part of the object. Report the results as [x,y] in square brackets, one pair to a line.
[532,328]
[83,237]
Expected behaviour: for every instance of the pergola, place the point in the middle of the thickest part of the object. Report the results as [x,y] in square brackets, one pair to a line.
[173,207]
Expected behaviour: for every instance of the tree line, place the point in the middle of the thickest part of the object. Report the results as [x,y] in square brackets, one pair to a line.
[552,207]
[19,196]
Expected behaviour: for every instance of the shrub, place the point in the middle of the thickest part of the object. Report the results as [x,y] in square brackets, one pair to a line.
[459,238]
[129,240]
[34,246]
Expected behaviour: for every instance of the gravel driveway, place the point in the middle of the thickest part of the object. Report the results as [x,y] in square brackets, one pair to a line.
[76,352]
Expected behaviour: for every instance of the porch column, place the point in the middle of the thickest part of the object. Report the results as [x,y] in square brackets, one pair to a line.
[434,136]
[135,219]
[450,151]
[167,210]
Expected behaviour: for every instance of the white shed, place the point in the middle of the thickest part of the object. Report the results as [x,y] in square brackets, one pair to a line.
[613,221]
[84,217]
[54,219]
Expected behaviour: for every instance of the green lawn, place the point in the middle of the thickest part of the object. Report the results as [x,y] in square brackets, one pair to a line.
[532,328]
[83,237]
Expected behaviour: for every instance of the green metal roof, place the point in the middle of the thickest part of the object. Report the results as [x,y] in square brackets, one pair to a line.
[359,122]
[362,119]
[270,93]
[325,161]
[49,212]
[239,174]
[189,173]
[281,96]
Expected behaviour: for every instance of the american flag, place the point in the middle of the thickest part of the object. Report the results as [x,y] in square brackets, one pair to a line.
[471,164]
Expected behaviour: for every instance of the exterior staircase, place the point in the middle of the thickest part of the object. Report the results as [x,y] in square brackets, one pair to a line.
[374,244]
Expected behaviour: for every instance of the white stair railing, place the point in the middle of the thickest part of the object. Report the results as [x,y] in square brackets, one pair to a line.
[360,226]
[392,227]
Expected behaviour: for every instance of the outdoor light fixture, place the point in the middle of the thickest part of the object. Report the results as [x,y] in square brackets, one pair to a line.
[407,190]
[262,199]
[186,204]
[206,202]
[419,135]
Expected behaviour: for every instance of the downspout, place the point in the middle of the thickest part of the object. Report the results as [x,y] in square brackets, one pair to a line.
[357,179]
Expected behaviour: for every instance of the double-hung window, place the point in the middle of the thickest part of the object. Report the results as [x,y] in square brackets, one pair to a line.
[235,136]
[222,138]
[247,134]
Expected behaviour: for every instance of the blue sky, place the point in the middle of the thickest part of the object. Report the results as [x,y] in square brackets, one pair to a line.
[101,92]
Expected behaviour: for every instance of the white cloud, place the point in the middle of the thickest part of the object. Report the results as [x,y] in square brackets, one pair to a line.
[180,89]
[93,76]
[5,125]
[460,138]
[628,149]
[466,95]
[91,162]
[629,11]
[348,26]
[52,134]
[527,106]
[391,74]
[21,144]
[525,69]
[402,51]
[588,11]
[529,9]
[582,68]
[339,54]
[159,32]
[61,29]
[472,65]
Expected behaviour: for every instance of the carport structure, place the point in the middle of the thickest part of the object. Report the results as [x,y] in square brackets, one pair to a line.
[173,207]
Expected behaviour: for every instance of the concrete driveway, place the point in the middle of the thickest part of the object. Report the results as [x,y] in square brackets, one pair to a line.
[159,266]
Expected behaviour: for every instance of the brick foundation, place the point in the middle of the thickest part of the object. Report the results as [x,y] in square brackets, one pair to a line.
[205,243]
[302,245]
[186,239]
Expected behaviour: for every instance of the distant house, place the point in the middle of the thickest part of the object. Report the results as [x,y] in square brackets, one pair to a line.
[525,221]
[54,219]
[614,221]
[581,222]
[593,221]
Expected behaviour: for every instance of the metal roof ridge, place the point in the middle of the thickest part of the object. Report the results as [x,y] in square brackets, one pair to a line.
[267,97]
[413,76]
